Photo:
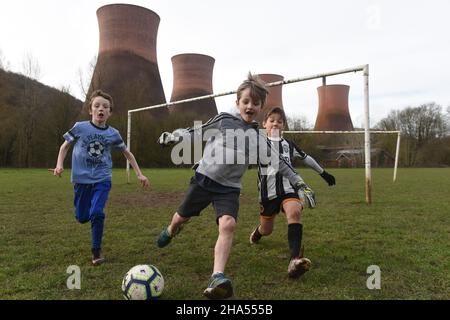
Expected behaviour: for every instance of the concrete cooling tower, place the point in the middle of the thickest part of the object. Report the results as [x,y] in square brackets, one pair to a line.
[275,97]
[192,77]
[127,66]
[333,114]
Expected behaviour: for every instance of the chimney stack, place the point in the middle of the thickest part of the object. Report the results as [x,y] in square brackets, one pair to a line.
[333,114]
[127,66]
[193,77]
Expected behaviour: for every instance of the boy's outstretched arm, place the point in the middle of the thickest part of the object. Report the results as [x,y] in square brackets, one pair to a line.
[168,138]
[60,162]
[312,163]
[142,179]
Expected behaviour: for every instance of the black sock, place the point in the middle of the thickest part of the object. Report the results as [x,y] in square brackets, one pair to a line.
[295,233]
[257,233]
[96,252]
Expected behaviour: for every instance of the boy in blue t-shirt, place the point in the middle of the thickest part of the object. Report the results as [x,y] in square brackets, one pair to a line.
[92,166]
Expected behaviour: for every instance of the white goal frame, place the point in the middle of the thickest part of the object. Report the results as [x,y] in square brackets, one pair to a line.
[397,148]
[364,69]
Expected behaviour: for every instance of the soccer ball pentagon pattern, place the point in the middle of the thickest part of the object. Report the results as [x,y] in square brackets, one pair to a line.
[95,149]
[143,282]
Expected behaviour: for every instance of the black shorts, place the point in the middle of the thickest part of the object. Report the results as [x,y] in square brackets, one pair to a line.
[273,207]
[198,198]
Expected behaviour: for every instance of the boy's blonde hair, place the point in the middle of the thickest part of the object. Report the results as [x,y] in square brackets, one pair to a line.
[258,90]
[100,93]
[276,110]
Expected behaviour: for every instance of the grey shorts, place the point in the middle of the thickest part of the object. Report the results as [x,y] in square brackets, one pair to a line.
[198,198]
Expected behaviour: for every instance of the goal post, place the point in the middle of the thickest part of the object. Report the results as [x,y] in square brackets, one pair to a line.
[363,68]
[397,147]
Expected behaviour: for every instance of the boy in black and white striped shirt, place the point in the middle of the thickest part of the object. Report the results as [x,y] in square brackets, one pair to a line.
[277,193]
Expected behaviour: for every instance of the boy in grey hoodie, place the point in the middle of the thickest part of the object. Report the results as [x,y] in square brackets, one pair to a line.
[232,146]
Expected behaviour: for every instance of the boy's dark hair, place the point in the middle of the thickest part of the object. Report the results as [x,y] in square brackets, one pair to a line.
[100,93]
[258,90]
[277,110]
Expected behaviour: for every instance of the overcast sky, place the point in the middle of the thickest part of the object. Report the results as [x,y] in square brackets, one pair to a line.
[406,44]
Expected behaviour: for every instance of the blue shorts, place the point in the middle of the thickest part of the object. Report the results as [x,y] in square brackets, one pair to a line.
[90,200]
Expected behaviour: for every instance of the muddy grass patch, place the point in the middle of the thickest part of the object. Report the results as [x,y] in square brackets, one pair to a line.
[150,199]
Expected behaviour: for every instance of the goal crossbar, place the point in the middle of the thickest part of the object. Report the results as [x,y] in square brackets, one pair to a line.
[271,84]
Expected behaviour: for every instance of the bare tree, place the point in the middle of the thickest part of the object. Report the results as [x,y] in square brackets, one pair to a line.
[85,78]
[447,121]
[31,105]
[419,125]
[298,123]
[31,67]
[4,65]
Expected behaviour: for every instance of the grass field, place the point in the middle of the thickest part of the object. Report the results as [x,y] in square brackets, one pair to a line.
[406,232]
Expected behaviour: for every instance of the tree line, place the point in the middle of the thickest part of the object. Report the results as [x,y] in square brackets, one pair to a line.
[425,134]
[34,117]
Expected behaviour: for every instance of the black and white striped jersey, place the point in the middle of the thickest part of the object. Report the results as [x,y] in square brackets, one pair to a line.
[271,184]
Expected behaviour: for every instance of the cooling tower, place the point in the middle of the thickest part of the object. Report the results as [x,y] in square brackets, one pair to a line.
[127,66]
[333,114]
[275,97]
[192,77]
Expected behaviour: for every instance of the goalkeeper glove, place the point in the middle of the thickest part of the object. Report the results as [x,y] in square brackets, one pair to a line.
[328,178]
[167,138]
[306,195]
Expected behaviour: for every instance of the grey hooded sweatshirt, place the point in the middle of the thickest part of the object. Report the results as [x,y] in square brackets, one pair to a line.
[232,145]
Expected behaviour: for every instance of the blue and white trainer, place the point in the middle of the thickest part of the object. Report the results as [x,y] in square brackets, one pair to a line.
[220,287]
[164,238]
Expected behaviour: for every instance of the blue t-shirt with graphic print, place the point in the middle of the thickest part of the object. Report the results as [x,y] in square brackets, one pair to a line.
[91,157]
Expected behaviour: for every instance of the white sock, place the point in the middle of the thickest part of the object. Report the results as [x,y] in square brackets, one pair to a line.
[169,229]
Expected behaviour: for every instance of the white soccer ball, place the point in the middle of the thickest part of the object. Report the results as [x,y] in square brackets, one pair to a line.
[143,282]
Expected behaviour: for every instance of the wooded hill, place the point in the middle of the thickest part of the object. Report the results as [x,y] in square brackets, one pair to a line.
[33,118]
